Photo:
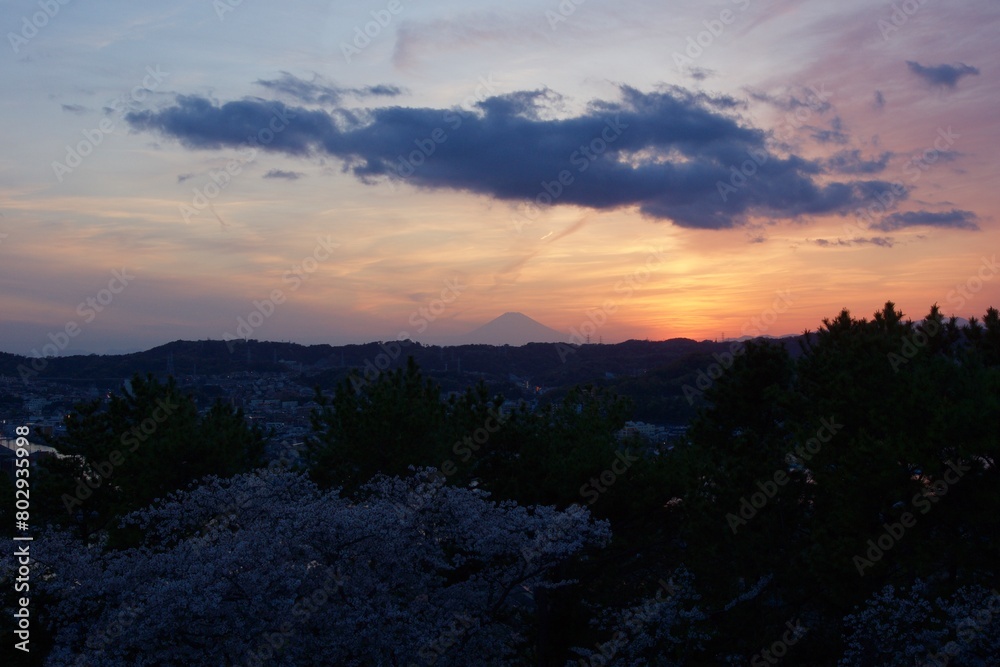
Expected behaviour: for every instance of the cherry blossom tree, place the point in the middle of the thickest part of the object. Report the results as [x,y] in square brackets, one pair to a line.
[905,628]
[665,629]
[267,568]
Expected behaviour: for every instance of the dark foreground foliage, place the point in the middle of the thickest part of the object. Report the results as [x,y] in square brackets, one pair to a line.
[835,506]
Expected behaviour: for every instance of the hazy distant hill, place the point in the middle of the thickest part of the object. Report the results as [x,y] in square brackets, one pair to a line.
[651,373]
[512,329]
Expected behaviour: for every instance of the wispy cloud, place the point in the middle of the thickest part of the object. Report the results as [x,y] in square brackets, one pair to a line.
[851,162]
[320,90]
[953,219]
[834,134]
[287,175]
[700,73]
[882,241]
[945,76]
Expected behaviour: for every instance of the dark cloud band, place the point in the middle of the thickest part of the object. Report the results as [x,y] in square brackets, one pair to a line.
[953,219]
[946,76]
[668,152]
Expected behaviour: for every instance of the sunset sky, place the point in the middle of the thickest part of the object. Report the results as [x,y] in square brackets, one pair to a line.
[401,167]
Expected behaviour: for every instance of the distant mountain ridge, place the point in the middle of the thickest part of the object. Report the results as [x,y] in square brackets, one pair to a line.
[512,329]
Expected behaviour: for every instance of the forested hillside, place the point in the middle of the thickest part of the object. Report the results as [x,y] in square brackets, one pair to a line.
[832,505]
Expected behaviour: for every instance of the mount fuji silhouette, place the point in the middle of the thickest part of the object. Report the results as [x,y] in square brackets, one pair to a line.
[512,329]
